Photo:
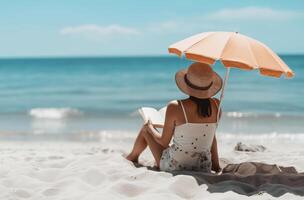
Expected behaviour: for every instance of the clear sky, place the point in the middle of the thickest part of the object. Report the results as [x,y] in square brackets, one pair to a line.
[138,27]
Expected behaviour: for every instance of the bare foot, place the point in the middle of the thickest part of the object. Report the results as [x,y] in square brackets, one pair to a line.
[131,158]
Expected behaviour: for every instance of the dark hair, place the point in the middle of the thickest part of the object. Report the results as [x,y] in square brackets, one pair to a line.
[203,106]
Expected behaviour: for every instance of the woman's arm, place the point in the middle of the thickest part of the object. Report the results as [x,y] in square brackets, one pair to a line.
[168,129]
[214,156]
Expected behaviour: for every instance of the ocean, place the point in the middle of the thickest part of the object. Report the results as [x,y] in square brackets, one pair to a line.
[79,98]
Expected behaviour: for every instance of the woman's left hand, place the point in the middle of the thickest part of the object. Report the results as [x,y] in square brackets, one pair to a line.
[150,126]
[151,129]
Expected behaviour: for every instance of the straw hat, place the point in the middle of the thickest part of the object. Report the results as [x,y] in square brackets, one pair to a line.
[199,80]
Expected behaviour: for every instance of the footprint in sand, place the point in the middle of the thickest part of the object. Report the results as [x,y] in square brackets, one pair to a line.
[22,193]
[184,186]
[40,159]
[46,175]
[58,163]
[28,159]
[129,189]
[7,182]
[55,157]
[51,192]
[93,177]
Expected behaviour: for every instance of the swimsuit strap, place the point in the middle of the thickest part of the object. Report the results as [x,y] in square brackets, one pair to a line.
[184,111]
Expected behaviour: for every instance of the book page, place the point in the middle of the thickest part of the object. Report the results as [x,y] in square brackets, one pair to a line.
[162,112]
[155,116]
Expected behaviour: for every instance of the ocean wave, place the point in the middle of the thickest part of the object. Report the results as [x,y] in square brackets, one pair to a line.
[262,136]
[239,114]
[251,115]
[54,113]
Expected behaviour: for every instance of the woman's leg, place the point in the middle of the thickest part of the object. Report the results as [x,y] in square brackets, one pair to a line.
[140,145]
[154,146]
[143,139]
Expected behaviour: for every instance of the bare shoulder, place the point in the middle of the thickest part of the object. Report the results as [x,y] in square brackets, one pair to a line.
[172,107]
[172,104]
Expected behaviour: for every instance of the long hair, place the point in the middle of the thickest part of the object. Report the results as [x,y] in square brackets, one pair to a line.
[203,106]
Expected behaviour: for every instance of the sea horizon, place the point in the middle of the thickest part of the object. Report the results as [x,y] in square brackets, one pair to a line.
[111,56]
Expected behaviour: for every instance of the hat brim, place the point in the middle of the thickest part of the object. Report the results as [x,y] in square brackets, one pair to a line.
[185,88]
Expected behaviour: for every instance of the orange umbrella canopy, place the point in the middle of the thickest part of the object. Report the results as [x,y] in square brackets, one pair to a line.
[233,50]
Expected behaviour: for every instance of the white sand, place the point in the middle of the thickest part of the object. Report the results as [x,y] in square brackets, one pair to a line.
[66,170]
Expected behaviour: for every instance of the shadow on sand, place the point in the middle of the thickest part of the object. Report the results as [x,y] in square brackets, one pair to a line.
[273,184]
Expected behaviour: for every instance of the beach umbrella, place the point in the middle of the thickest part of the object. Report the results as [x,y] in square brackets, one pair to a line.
[233,50]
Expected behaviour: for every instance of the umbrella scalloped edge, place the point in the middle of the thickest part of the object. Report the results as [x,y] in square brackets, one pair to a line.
[175,51]
[237,64]
[232,64]
[200,58]
[268,72]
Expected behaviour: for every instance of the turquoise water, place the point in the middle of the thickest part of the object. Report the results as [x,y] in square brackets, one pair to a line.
[69,95]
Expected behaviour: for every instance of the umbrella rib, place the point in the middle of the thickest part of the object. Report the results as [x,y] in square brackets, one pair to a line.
[253,56]
[198,41]
[249,49]
[271,54]
[225,47]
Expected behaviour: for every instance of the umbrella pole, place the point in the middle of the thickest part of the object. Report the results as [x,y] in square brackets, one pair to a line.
[223,90]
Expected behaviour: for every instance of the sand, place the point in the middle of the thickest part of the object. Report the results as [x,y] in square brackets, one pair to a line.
[97,170]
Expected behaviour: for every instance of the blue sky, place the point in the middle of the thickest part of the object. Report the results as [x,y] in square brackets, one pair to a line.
[132,27]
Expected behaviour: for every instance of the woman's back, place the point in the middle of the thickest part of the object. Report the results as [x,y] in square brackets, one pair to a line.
[191,123]
[190,113]
[192,139]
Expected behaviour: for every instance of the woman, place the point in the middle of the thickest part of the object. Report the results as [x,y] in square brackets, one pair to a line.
[190,122]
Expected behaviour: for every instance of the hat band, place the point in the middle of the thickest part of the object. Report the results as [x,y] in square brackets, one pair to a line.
[195,86]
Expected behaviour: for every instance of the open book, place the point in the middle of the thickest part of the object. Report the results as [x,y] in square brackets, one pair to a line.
[157,117]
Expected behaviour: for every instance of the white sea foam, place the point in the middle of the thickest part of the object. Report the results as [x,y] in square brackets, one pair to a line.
[269,137]
[253,115]
[54,113]
[240,114]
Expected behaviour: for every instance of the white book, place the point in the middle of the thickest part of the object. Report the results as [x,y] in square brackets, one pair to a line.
[157,117]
